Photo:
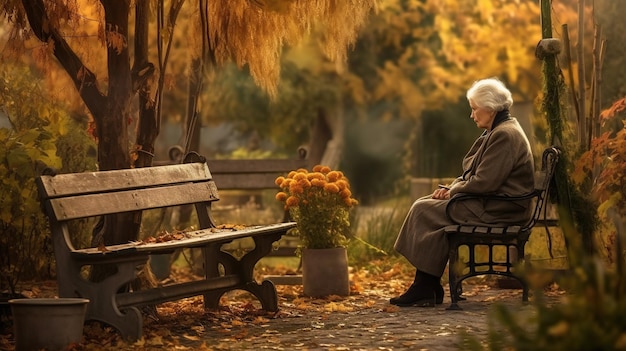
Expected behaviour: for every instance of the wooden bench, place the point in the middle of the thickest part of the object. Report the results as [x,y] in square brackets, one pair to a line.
[513,238]
[67,197]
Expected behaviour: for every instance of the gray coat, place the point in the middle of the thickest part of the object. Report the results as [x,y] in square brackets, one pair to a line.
[499,162]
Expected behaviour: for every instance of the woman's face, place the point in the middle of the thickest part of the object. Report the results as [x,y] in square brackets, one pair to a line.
[482,117]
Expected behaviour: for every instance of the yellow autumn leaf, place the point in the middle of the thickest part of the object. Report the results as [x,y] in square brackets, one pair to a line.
[335,307]
[140,342]
[191,337]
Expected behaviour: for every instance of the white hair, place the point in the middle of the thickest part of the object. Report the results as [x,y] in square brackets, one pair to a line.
[491,94]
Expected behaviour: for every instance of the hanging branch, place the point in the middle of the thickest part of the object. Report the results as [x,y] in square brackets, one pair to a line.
[567,56]
[196,82]
[174,11]
[598,58]
[580,56]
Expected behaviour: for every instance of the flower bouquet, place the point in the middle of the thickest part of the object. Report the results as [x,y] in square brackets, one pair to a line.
[319,202]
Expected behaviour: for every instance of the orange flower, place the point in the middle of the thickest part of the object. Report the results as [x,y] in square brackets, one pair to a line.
[318,183]
[279,180]
[342,184]
[296,188]
[281,196]
[286,183]
[299,176]
[315,175]
[333,176]
[345,193]
[331,188]
[292,201]
[305,183]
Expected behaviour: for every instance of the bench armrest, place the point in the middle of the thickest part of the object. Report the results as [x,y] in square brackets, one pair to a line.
[470,196]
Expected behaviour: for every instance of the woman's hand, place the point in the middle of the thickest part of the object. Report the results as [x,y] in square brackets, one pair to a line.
[441,194]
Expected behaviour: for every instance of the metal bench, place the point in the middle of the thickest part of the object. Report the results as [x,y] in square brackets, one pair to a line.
[68,197]
[513,237]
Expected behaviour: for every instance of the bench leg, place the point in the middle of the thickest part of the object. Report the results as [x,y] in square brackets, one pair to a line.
[521,256]
[455,286]
[244,269]
[102,299]
[266,293]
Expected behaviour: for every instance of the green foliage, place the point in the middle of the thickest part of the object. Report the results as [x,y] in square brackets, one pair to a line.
[30,144]
[376,232]
[25,246]
[592,316]
[232,96]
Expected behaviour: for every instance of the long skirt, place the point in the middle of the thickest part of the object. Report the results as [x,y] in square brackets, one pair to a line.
[422,240]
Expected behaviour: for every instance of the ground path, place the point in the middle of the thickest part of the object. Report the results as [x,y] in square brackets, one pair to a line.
[362,321]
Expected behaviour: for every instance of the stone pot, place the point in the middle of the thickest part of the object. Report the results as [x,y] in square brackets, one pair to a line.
[47,323]
[325,272]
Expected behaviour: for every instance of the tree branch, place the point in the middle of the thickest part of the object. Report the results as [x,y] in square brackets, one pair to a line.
[84,80]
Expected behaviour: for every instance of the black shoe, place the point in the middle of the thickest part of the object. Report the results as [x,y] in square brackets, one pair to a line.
[416,296]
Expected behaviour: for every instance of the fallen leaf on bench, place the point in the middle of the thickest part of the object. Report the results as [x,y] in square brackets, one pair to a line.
[102,248]
[178,235]
[231,226]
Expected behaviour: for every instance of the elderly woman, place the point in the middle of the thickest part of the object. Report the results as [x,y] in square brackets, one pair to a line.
[499,162]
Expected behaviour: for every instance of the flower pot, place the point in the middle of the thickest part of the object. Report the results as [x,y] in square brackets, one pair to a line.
[50,324]
[325,272]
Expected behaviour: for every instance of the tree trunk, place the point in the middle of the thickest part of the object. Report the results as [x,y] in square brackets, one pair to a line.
[320,136]
[113,140]
[148,129]
[113,125]
[552,86]
[193,123]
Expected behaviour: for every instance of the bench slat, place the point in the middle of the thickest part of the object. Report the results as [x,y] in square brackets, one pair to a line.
[251,174]
[74,207]
[174,292]
[107,181]
[198,238]
[255,166]
[247,181]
